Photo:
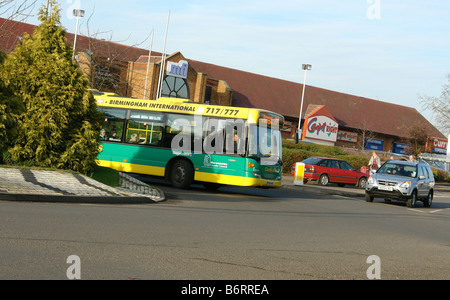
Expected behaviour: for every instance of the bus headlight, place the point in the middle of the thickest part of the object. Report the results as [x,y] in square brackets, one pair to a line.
[257,175]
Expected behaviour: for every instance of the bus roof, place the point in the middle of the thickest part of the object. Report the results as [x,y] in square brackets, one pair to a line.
[185,106]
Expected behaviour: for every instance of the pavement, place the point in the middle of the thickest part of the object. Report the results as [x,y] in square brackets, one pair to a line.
[28,185]
[331,189]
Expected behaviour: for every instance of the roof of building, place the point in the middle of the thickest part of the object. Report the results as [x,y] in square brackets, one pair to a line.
[253,90]
[11,32]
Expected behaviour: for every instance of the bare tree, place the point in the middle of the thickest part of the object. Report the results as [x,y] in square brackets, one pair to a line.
[417,136]
[364,133]
[18,10]
[440,107]
[107,65]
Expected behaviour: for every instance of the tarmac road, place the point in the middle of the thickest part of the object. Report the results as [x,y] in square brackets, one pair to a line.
[234,233]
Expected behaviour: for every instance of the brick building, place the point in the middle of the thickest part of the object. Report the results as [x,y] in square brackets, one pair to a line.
[348,120]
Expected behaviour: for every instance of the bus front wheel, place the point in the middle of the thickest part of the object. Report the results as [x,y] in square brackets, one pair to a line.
[181,174]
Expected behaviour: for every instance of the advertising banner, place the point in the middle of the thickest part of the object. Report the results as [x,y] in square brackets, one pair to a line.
[347,136]
[321,128]
[437,145]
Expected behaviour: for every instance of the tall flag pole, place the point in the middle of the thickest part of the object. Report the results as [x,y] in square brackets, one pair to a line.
[163,61]
[148,63]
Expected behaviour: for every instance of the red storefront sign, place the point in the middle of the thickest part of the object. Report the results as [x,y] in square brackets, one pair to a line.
[321,125]
[436,145]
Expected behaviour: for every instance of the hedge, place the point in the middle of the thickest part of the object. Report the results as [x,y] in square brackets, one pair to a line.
[293,153]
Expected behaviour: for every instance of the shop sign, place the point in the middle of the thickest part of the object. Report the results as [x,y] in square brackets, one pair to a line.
[287,126]
[270,120]
[437,145]
[399,148]
[321,128]
[373,144]
[347,136]
[179,69]
[448,149]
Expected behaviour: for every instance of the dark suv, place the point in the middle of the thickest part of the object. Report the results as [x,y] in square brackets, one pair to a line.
[402,180]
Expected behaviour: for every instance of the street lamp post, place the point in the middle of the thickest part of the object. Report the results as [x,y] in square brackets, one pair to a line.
[77,13]
[305,67]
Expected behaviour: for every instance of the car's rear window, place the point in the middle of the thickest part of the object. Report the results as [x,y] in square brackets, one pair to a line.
[312,160]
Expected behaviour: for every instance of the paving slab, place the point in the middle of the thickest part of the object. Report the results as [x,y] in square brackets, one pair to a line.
[24,184]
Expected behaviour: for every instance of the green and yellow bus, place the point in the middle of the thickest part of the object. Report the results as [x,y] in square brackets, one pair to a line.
[187,142]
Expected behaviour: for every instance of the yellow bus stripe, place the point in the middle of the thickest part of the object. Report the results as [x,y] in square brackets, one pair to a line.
[199,176]
[132,168]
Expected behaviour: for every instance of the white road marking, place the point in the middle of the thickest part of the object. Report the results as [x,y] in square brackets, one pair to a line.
[416,210]
[427,211]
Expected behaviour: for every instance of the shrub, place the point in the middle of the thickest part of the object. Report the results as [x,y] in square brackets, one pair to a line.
[60,126]
[293,153]
[441,176]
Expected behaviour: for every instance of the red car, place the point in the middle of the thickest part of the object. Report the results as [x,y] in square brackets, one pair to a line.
[325,170]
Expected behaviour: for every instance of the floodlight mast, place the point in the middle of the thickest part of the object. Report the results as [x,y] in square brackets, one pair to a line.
[79,13]
[305,67]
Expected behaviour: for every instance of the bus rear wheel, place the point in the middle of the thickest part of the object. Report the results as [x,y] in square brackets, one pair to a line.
[181,174]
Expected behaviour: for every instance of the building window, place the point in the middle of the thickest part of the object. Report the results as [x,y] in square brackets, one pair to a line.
[208,92]
[175,87]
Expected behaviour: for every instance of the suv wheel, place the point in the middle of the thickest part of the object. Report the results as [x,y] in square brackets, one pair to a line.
[411,202]
[369,198]
[429,200]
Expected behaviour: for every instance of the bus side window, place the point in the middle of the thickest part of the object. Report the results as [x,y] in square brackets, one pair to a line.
[115,130]
[145,128]
[144,133]
[114,125]
[176,124]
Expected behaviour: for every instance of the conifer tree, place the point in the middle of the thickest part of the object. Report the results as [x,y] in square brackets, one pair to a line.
[10,107]
[61,125]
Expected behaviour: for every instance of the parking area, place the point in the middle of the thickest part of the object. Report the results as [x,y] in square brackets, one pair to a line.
[441,202]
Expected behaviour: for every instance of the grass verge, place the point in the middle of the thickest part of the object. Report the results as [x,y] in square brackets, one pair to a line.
[105,175]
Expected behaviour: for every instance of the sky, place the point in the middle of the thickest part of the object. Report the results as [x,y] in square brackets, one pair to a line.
[387,50]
